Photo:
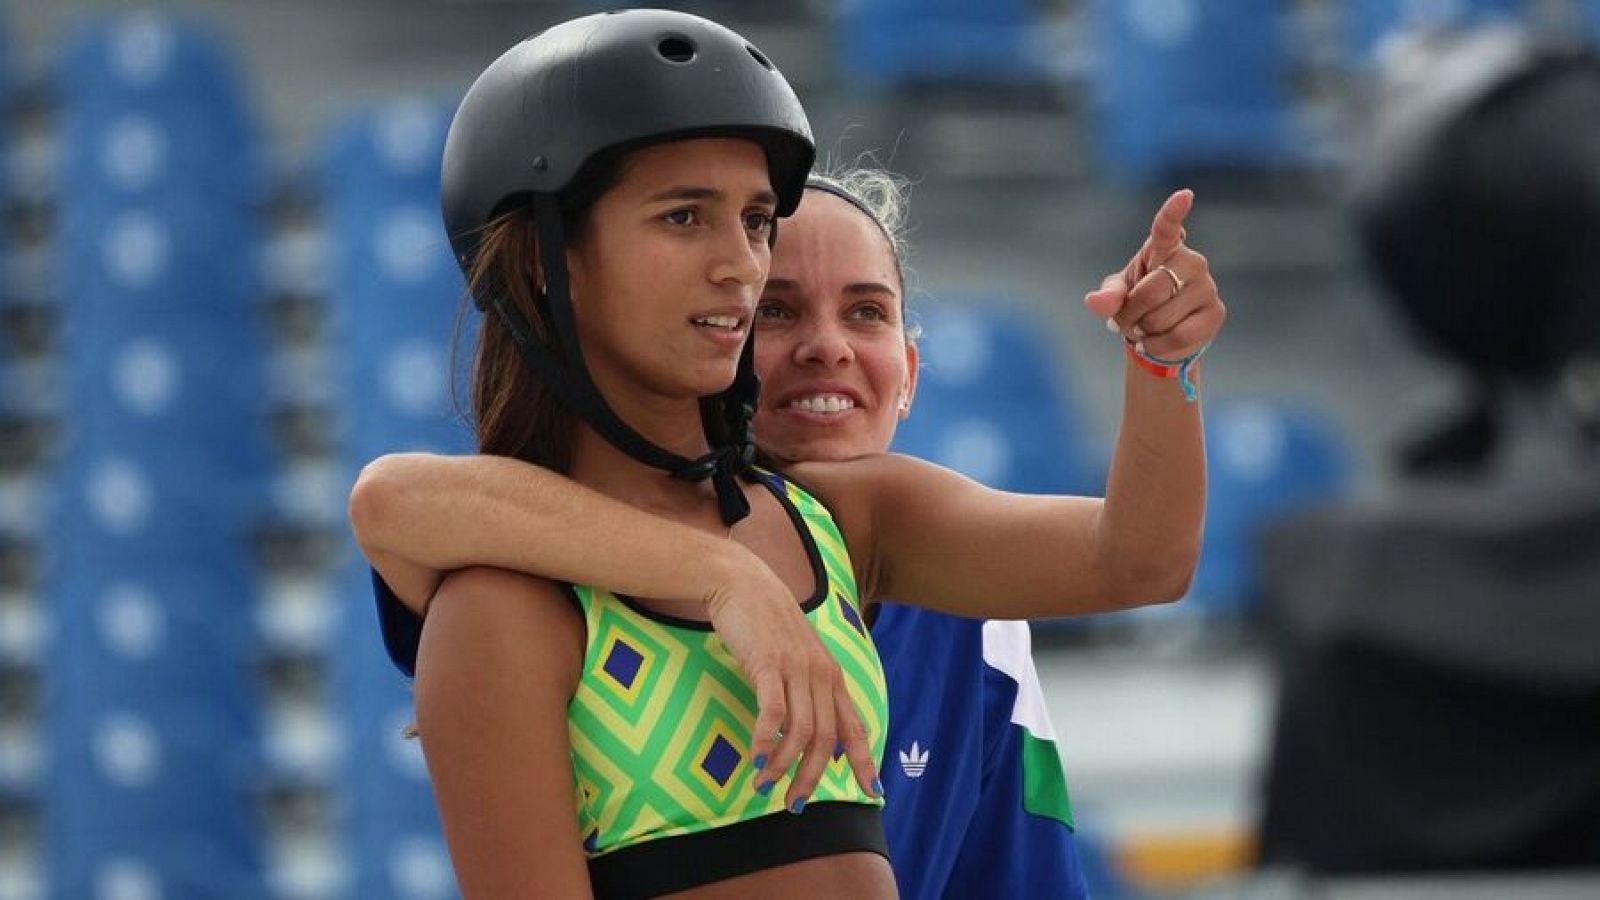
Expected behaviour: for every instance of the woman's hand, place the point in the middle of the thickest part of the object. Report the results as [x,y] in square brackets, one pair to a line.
[1164,301]
[805,710]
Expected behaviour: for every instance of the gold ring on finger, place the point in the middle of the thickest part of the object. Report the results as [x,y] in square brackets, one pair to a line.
[1177,283]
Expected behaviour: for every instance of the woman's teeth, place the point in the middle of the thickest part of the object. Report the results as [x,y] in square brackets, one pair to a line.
[728,322]
[825,403]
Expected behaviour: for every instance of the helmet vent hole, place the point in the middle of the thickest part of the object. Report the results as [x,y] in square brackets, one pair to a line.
[676,49]
[760,57]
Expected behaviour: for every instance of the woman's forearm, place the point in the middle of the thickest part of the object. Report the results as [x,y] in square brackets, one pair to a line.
[416,515]
[1148,536]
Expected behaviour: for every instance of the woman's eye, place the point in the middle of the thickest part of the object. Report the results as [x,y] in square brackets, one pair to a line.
[758,221]
[870,311]
[679,217]
[770,312]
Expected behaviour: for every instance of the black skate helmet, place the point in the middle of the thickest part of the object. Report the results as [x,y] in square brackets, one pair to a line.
[607,82]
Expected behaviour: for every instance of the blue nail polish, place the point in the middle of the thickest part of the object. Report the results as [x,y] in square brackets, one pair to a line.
[764,789]
[799,806]
[877,787]
[760,761]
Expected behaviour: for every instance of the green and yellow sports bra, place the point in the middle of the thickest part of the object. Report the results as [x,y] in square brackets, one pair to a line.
[660,728]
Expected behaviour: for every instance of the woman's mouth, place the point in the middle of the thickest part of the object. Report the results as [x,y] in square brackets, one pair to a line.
[726,330]
[823,403]
[725,323]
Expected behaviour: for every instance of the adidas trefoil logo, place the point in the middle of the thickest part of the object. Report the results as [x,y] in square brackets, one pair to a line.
[913,763]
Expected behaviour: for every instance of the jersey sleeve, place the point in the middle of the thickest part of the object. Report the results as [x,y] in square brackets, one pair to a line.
[402,628]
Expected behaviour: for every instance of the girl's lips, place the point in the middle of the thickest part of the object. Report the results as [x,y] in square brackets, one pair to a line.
[721,335]
[725,326]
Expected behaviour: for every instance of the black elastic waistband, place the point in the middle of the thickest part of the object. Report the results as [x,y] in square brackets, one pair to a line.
[679,863]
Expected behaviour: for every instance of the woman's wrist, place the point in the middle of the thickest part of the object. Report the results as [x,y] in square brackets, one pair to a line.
[1178,369]
[727,574]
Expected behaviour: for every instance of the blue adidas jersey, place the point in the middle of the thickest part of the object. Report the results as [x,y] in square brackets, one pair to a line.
[976,801]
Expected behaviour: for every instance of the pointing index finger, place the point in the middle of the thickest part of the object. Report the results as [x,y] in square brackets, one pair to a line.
[1166,231]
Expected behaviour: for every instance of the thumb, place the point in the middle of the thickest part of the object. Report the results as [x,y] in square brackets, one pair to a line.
[1107,300]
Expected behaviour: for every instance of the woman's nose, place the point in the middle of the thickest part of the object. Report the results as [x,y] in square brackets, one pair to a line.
[824,343]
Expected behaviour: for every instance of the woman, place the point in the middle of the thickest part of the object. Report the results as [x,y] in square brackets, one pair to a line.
[665,257]
[990,815]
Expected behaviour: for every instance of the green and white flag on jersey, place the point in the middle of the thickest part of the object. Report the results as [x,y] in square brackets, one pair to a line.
[1008,647]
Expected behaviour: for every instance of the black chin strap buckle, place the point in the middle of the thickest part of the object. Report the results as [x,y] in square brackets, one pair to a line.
[723,466]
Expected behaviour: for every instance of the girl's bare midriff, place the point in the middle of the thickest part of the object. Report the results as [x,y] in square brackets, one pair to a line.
[860,876]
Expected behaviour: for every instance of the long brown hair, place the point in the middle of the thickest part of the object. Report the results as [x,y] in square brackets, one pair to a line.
[514,413]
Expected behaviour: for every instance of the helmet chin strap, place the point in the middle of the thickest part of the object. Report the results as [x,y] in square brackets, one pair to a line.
[570,381]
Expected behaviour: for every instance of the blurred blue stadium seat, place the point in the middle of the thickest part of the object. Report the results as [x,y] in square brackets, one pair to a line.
[9,395]
[1265,460]
[1590,10]
[7,77]
[897,43]
[391,824]
[1369,23]
[152,714]
[992,402]
[396,293]
[1185,84]
[396,286]
[178,72]
[133,767]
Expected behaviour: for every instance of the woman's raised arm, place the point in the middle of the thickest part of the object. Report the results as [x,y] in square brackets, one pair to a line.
[925,535]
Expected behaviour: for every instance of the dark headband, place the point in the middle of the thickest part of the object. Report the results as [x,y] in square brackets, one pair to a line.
[814,183]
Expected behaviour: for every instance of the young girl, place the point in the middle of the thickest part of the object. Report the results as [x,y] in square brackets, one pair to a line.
[539,708]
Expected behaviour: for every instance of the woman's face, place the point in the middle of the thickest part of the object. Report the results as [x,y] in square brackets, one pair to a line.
[666,275]
[837,373]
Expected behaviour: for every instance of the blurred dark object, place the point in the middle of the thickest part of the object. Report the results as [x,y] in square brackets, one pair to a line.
[1580,395]
[19,561]
[28,328]
[1440,697]
[25,441]
[1462,444]
[1478,206]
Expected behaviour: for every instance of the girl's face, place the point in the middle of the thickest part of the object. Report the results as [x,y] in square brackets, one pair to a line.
[666,275]
[837,373]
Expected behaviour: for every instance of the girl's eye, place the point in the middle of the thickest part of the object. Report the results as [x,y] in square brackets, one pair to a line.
[758,221]
[679,217]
